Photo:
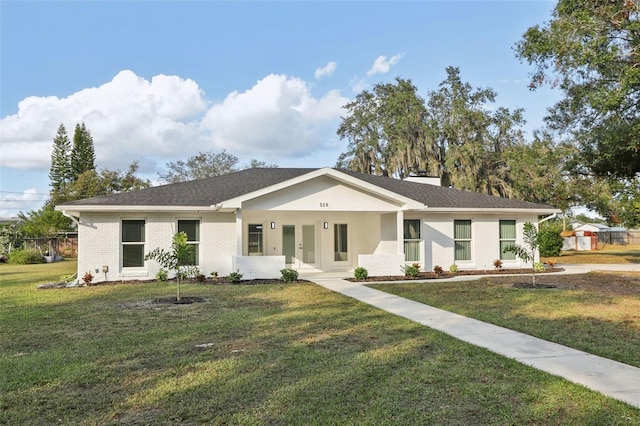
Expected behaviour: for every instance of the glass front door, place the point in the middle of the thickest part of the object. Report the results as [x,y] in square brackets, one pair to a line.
[299,245]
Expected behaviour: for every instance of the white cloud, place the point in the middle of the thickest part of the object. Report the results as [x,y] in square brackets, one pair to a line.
[129,117]
[277,117]
[382,65]
[168,118]
[11,204]
[326,71]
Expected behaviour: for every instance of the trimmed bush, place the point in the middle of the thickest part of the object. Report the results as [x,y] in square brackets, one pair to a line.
[453,269]
[289,275]
[550,242]
[360,273]
[25,257]
[438,270]
[412,270]
[235,277]
[162,275]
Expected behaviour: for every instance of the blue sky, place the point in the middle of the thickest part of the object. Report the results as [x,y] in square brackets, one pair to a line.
[160,81]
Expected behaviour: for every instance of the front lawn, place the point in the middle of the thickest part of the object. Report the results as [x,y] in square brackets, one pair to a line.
[598,312]
[255,354]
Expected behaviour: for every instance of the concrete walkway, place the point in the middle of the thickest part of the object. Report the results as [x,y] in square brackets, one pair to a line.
[611,378]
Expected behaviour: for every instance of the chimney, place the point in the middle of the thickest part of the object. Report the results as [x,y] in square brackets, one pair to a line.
[422,177]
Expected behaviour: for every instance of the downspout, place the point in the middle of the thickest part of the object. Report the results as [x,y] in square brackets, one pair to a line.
[73,218]
[552,216]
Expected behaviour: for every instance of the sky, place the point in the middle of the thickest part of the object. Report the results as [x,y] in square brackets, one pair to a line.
[160,81]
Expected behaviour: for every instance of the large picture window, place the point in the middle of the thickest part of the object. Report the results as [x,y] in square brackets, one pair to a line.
[192,229]
[462,237]
[507,238]
[412,240]
[132,243]
[256,245]
[341,252]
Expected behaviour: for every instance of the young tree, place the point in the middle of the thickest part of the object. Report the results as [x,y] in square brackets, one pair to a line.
[60,171]
[591,51]
[83,157]
[176,259]
[527,252]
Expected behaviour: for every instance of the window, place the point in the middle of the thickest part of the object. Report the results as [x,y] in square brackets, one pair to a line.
[412,240]
[507,238]
[132,243]
[340,242]
[462,237]
[255,240]
[192,229]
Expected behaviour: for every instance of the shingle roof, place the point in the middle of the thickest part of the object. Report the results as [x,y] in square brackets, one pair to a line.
[209,191]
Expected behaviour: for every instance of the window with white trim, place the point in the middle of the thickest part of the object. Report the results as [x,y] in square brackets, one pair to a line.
[412,240]
[507,238]
[192,229]
[133,243]
[462,239]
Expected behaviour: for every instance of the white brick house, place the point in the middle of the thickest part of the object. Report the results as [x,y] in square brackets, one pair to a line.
[259,221]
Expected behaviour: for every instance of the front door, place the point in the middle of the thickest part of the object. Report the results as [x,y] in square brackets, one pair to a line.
[299,245]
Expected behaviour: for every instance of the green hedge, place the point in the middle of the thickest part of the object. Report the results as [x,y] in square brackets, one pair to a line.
[25,257]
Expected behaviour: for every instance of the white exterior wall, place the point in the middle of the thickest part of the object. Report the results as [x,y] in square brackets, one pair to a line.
[485,240]
[99,243]
[374,226]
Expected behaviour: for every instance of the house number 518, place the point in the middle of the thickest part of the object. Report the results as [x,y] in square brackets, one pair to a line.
[324,204]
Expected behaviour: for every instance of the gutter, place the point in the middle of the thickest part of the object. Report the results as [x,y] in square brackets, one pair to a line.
[73,218]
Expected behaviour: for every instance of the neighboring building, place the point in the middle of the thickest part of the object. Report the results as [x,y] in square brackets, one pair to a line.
[590,227]
[259,221]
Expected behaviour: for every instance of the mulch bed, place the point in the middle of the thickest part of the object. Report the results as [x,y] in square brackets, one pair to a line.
[184,300]
[433,275]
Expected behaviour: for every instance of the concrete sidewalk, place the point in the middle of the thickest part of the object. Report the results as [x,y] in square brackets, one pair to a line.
[611,378]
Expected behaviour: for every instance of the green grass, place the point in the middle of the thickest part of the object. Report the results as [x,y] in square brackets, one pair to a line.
[606,253]
[275,354]
[599,322]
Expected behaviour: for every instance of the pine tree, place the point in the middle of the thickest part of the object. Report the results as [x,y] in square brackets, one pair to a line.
[60,171]
[83,155]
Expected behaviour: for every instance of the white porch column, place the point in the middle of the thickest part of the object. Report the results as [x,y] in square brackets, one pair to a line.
[239,232]
[400,231]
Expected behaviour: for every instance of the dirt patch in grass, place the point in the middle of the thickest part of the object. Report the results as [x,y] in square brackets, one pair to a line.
[613,283]
[186,300]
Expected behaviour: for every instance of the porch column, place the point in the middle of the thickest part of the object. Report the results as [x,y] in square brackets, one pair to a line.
[400,231]
[239,232]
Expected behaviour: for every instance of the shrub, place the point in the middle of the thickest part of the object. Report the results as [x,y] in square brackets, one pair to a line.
[550,242]
[214,274]
[200,277]
[25,257]
[538,267]
[453,269]
[438,269]
[87,278]
[162,275]
[289,275]
[235,277]
[360,273]
[497,264]
[411,270]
